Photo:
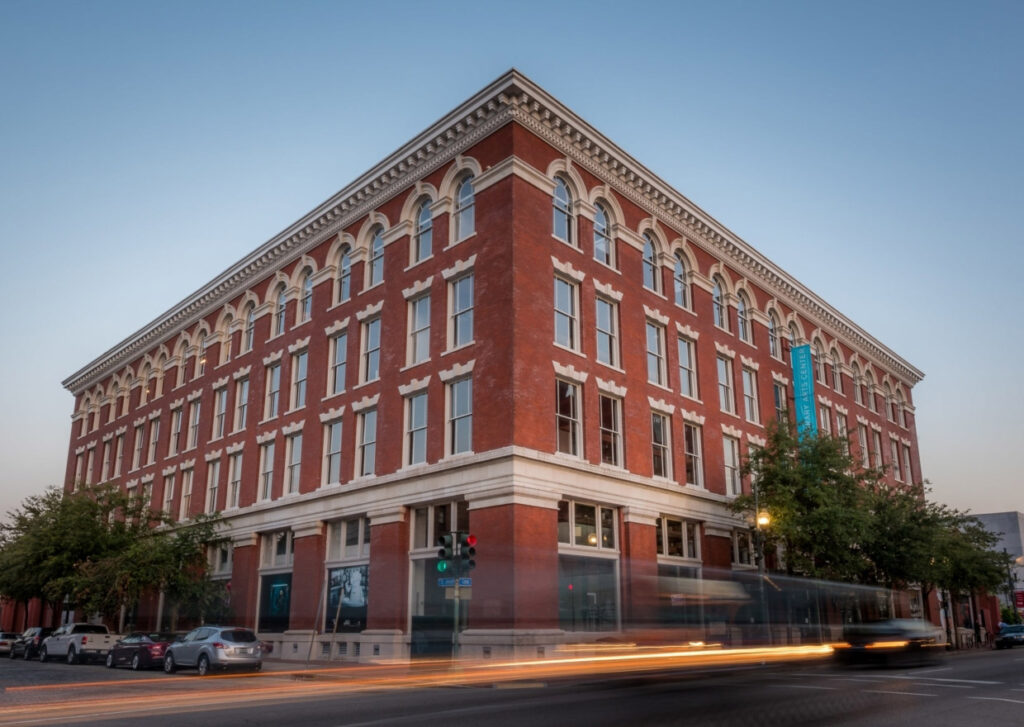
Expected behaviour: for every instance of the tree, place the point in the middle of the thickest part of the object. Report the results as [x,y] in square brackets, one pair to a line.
[100,549]
[816,497]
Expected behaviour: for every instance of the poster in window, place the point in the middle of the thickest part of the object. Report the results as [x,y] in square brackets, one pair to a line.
[347,591]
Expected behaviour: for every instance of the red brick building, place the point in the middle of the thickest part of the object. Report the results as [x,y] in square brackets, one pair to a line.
[508,326]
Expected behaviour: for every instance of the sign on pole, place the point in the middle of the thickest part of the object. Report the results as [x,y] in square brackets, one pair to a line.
[803,390]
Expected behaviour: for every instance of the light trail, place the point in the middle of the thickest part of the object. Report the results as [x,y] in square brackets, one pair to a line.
[206,692]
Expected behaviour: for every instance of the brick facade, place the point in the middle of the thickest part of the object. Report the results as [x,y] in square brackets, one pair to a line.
[511,479]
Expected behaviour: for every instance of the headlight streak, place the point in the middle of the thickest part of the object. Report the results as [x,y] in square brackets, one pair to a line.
[267,686]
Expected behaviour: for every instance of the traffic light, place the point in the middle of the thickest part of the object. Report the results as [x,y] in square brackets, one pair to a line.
[446,553]
[467,552]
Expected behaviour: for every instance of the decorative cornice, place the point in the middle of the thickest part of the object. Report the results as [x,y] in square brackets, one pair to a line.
[607,290]
[365,403]
[570,372]
[370,310]
[456,371]
[459,267]
[332,414]
[610,387]
[413,386]
[656,315]
[511,97]
[687,331]
[568,270]
[299,345]
[337,326]
[418,287]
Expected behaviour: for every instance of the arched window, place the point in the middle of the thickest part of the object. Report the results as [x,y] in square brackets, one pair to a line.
[858,382]
[344,275]
[562,223]
[424,233]
[602,237]
[890,404]
[819,363]
[837,373]
[680,284]
[279,311]
[901,410]
[869,389]
[201,356]
[182,363]
[377,257]
[250,327]
[144,391]
[225,340]
[794,335]
[306,304]
[773,335]
[742,322]
[465,203]
[650,264]
[718,308]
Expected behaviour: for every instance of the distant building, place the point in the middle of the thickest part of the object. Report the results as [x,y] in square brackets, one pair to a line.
[1010,528]
[508,326]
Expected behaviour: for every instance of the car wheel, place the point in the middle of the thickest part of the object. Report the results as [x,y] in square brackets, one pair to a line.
[27,654]
[258,667]
[169,666]
[11,652]
[136,663]
[42,654]
[203,666]
[109,661]
[72,656]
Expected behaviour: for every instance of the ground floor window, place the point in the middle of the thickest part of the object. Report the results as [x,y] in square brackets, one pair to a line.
[275,602]
[681,594]
[347,595]
[588,593]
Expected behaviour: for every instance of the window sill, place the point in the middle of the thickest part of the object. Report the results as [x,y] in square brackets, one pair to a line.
[568,244]
[461,240]
[612,367]
[569,350]
[413,365]
[302,323]
[656,385]
[461,347]
[417,263]
[694,399]
[723,330]
[331,396]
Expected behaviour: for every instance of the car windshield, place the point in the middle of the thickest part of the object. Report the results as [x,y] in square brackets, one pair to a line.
[238,636]
[163,636]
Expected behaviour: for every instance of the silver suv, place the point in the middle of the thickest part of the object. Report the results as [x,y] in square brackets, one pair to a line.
[215,647]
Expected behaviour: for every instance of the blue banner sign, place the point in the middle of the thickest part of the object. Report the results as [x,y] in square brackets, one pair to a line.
[803,390]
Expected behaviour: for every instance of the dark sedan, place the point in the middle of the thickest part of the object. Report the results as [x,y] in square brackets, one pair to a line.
[1010,636]
[140,650]
[896,642]
[27,645]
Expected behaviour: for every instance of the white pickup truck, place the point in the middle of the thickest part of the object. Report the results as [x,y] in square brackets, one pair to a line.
[77,642]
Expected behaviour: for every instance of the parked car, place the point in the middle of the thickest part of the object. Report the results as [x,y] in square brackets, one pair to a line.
[140,650]
[896,642]
[28,643]
[77,642]
[7,639]
[1010,636]
[215,647]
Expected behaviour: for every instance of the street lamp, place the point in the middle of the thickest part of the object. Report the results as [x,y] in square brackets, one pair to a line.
[761,521]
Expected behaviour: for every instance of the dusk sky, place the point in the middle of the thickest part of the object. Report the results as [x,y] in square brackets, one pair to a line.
[874,150]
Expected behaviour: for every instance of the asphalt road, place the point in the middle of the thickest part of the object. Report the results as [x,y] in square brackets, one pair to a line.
[980,687]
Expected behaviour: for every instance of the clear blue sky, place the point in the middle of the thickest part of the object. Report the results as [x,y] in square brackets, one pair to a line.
[872,149]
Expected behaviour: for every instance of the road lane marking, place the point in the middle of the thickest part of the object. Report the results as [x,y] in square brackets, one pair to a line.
[801,686]
[999,699]
[947,686]
[896,691]
[932,671]
[944,679]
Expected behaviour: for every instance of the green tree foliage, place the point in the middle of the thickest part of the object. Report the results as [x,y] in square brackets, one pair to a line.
[837,520]
[102,549]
